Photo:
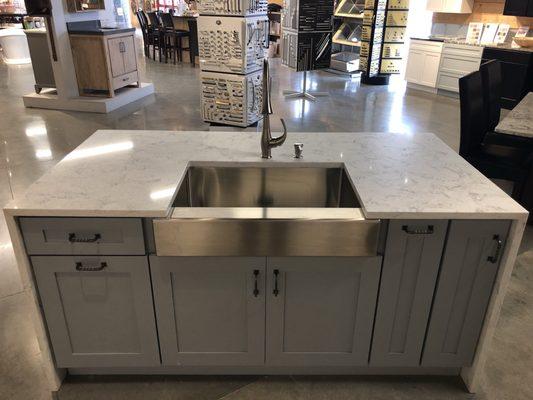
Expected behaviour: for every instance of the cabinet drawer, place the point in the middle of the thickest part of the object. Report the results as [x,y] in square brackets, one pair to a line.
[449,82]
[426,46]
[456,64]
[98,309]
[125,80]
[115,236]
[463,50]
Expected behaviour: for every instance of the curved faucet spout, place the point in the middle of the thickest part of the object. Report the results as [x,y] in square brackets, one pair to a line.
[267,141]
[278,141]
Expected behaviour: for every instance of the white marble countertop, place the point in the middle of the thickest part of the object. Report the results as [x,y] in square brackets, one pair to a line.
[137,173]
[519,121]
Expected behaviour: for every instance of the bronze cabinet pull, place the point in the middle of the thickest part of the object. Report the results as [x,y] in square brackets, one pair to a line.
[72,238]
[81,267]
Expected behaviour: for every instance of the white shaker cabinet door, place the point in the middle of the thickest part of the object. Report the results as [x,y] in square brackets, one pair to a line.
[415,67]
[430,70]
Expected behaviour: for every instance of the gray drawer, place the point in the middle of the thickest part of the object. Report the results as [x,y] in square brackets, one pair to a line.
[111,236]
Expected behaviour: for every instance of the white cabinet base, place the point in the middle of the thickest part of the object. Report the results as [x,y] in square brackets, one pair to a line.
[423,64]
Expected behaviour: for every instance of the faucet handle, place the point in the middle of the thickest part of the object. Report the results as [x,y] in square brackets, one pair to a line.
[298,150]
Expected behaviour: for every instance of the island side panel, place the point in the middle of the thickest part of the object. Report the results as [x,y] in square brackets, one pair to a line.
[472,375]
[54,376]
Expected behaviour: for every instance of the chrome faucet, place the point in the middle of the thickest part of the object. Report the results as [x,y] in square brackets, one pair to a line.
[267,141]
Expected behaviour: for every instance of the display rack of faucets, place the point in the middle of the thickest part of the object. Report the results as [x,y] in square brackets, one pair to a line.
[233,36]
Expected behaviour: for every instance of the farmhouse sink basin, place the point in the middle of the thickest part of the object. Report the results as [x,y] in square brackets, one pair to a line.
[266,211]
[266,187]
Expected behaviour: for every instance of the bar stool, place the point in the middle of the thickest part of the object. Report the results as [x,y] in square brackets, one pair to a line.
[173,38]
[155,32]
[492,160]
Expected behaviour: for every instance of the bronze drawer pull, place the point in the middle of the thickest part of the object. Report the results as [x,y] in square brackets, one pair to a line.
[256,290]
[430,229]
[496,255]
[80,267]
[275,292]
[73,239]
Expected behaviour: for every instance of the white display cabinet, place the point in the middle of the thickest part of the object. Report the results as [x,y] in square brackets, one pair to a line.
[232,44]
[232,7]
[231,99]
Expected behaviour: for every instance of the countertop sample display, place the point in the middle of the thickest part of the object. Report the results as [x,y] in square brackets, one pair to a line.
[395,175]
[519,121]
[159,252]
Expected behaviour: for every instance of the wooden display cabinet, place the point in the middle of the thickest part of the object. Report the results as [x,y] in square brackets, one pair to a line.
[104,63]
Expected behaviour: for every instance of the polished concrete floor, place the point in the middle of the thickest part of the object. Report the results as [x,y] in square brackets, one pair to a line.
[32,141]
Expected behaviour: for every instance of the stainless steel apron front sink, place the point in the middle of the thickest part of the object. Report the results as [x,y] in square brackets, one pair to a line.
[266,211]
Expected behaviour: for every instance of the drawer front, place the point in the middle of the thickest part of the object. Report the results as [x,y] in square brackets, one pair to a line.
[462,65]
[448,82]
[125,80]
[426,46]
[98,309]
[113,236]
[463,50]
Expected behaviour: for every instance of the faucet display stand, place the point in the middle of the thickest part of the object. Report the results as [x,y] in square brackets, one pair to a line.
[304,93]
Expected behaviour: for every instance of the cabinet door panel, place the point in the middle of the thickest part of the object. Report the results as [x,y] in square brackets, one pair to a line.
[469,267]
[323,312]
[410,267]
[130,58]
[207,312]
[415,66]
[99,318]
[115,48]
[431,69]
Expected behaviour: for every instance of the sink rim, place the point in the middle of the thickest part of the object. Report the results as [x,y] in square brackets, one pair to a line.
[269,213]
[345,180]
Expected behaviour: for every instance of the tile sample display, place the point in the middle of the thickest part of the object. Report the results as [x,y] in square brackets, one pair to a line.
[232,46]
[383,37]
[307,33]
[233,7]
[231,99]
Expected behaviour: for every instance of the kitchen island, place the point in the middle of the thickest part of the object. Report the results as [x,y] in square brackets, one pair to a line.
[152,252]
